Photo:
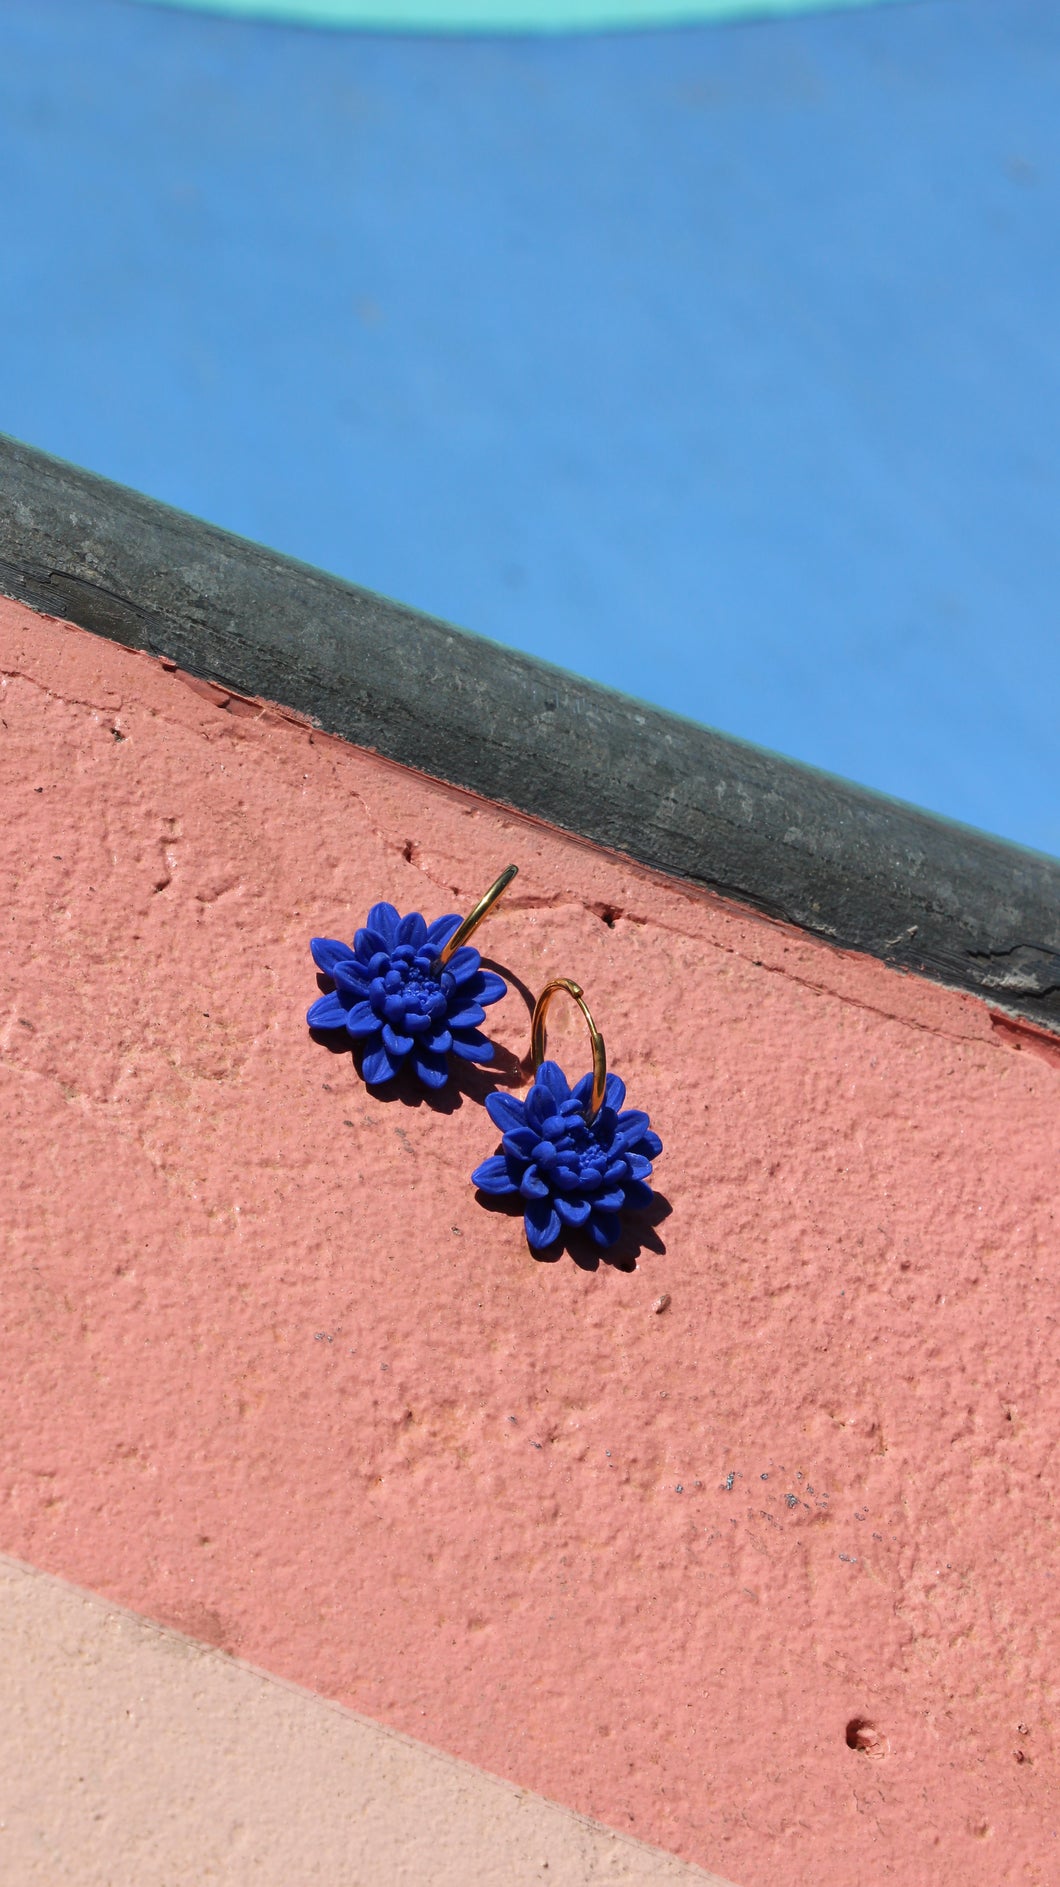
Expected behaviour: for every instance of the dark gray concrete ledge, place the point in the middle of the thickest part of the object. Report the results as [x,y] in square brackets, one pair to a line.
[864,872]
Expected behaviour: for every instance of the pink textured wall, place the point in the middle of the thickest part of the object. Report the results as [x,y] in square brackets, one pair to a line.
[273,1376]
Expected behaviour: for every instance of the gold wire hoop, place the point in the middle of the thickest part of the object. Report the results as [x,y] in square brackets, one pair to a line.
[475,917]
[539,1039]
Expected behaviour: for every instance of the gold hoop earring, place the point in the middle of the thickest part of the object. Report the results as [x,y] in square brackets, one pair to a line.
[539,1038]
[574,1157]
[410,994]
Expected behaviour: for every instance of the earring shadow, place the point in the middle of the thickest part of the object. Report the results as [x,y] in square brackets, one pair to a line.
[514,982]
[520,1069]
[639,1234]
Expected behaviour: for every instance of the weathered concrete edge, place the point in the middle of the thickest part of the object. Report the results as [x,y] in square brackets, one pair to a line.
[848,865]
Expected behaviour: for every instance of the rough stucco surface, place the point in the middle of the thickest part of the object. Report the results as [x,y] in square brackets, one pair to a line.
[130,1756]
[272,1375]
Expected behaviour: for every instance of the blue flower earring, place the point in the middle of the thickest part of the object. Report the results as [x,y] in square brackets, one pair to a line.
[572,1155]
[410,993]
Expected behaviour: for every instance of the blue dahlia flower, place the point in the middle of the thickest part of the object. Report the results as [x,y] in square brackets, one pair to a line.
[392,998]
[568,1170]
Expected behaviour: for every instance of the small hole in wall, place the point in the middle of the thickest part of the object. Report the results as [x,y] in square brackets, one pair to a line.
[865,1737]
[608,915]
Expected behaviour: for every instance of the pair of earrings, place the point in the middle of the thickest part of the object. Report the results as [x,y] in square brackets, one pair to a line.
[413,994]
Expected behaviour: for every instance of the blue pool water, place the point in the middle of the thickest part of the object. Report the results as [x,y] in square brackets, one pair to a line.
[720,364]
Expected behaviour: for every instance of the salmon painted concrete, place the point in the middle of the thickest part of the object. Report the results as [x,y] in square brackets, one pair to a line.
[746,1544]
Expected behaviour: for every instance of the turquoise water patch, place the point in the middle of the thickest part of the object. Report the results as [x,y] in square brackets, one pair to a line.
[509,16]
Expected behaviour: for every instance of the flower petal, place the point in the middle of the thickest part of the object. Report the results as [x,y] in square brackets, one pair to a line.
[650,1145]
[327,951]
[492,1176]
[506,1112]
[463,964]
[377,1067]
[631,1124]
[605,1228]
[532,1186]
[397,1046]
[467,1016]
[472,1046]
[610,1201]
[433,1070]
[327,1013]
[639,1196]
[351,977]
[568,1179]
[583,1091]
[615,1092]
[554,1127]
[551,1077]
[590,1179]
[412,930]
[488,987]
[384,919]
[542,1224]
[442,929]
[519,1141]
[439,1042]
[639,1167]
[361,1020]
[369,943]
[545,1152]
[572,1211]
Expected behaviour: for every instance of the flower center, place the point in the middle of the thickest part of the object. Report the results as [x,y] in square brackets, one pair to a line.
[580,1142]
[410,978]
